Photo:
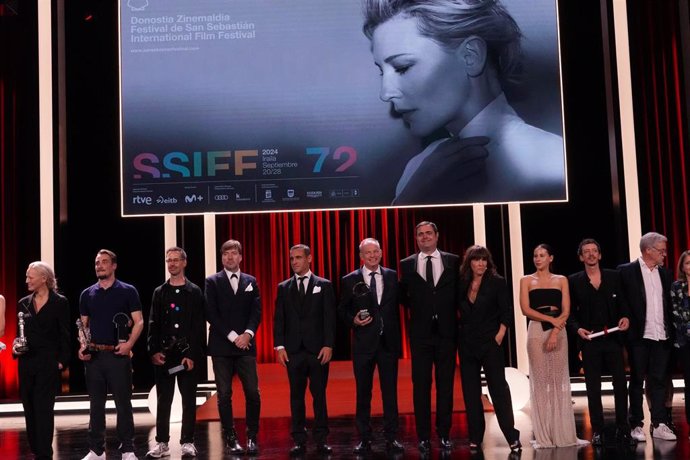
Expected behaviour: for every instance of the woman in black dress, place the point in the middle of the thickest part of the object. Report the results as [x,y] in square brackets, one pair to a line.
[45,314]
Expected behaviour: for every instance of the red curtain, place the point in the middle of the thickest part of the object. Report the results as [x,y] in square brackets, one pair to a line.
[659,73]
[8,229]
[333,237]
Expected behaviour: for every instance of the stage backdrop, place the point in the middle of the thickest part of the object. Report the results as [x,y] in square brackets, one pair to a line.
[245,106]
[661,76]
[333,237]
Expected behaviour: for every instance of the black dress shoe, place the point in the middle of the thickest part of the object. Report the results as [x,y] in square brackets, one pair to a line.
[252,447]
[596,439]
[425,446]
[298,449]
[324,449]
[446,444]
[623,437]
[362,448]
[394,446]
[232,446]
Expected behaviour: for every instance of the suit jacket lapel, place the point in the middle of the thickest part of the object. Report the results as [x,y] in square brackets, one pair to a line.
[224,284]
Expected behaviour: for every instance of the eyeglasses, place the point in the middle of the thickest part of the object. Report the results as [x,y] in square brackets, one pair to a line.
[661,251]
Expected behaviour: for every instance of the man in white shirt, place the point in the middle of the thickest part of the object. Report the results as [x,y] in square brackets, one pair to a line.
[645,288]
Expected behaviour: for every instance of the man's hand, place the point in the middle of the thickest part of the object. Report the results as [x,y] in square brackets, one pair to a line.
[243,341]
[362,322]
[188,363]
[325,355]
[624,324]
[123,348]
[282,357]
[158,359]
[583,333]
[82,356]
[499,337]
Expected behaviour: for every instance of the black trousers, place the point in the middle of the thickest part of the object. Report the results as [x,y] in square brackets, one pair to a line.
[438,355]
[363,365]
[165,388]
[106,373]
[225,367]
[596,353]
[302,367]
[39,379]
[648,359]
[493,362]
[683,355]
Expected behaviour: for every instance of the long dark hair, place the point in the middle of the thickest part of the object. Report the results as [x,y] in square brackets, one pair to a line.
[476,252]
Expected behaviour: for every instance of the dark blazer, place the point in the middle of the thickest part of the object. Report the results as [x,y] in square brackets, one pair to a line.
[365,339]
[227,311]
[47,332]
[424,301]
[190,320]
[633,295]
[479,322]
[581,303]
[308,324]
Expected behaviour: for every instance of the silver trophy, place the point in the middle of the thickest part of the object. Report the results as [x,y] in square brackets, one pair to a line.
[20,345]
[362,299]
[84,337]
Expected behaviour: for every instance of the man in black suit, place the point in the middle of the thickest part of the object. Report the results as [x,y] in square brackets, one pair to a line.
[233,309]
[428,287]
[645,290]
[303,337]
[369,305]
[595,306]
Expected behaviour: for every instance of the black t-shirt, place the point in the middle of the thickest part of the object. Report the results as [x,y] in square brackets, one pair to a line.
[101,305]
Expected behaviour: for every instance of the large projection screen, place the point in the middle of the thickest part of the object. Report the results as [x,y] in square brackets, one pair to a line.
[272,105]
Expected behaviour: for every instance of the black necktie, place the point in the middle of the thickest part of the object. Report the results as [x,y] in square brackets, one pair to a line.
[372,287]
[429,272]
[302,289]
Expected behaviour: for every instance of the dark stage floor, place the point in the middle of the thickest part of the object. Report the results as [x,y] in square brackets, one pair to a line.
[70,439]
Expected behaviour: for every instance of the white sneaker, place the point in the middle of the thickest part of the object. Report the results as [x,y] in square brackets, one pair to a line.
[161,450]
[129,456]
[93,456]
[637,434]
[663,432]
[189,450]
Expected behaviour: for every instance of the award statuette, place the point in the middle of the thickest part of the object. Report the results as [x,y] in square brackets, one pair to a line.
[122,325]
[84,337]
[20,345]
[174,349]
[362,299]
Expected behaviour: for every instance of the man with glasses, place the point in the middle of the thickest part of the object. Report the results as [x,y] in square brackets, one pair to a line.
[177,330]
[645,287]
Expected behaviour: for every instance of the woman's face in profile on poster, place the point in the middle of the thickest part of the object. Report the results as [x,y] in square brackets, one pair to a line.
[426,83]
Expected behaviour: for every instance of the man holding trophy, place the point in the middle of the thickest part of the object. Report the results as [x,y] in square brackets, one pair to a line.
[111,313]
[42,348]
[175,344]
[369,305]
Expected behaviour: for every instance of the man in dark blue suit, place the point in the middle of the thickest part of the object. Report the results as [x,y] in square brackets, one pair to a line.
[233,309]
[303,337]
[428,288]
[645,289]
[369,305]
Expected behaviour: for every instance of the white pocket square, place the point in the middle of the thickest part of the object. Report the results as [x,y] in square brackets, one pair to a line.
[249,288]
[316,290]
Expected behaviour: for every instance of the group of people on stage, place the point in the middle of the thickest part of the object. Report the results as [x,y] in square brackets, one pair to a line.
[455,306]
